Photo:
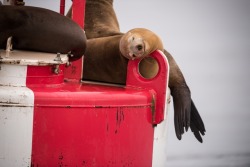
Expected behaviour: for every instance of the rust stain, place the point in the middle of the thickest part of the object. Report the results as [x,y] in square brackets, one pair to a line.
[119,118]
[12,104]
[153,108]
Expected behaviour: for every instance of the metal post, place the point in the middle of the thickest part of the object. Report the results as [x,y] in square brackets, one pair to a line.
[62,7]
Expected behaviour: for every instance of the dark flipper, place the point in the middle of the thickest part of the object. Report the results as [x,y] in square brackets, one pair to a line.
[41,30]
[196,124]
[182,109]
[185,113]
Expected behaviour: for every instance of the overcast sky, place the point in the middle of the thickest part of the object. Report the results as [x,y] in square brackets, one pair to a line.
[210,40]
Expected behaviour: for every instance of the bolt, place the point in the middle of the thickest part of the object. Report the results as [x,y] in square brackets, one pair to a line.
[9,45]
[70,54]
[68,64]
[56,69]
[58,58]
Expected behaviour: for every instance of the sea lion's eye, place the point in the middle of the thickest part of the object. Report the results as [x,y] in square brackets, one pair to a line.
[139,47]
[133,38]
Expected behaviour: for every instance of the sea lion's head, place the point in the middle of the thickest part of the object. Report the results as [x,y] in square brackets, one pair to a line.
[138,43]
[133,46]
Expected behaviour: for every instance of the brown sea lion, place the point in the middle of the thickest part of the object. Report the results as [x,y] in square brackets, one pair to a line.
[105,50]
[104,62]
[41,30]
[107,23]
[115,51]
[139,42]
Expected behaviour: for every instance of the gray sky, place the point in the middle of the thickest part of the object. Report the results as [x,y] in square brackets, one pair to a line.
[210,40]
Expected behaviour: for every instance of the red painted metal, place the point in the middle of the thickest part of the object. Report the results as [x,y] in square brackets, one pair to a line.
[158,84]
[74,71]
[92,125]
[92,137]
[79,124]
[62,7]
[79,12]
[45,74]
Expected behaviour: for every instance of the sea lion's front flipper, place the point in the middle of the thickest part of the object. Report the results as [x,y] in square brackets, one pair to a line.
[182,109]
[185,113]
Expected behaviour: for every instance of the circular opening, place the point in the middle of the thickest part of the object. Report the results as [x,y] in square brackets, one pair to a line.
[148,67]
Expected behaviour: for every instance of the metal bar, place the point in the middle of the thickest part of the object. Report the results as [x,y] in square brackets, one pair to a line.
[62,7]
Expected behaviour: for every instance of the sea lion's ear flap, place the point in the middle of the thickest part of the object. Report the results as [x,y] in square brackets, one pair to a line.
[146,46]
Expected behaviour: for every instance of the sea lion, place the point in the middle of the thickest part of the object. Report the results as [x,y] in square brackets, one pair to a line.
[104,62]
[37,29]
[105,50]
[115,52]
[138,43]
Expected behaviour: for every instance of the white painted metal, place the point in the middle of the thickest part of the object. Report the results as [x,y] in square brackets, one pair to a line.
[16,125]
[31,58]
[160,134]
[16,116]
[160,139]
[12,75]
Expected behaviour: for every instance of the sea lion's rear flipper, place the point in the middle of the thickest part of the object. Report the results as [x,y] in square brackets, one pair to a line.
[196,124]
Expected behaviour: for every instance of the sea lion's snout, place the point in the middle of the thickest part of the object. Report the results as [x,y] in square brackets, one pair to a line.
[132,46]
[138,43]
[136,47]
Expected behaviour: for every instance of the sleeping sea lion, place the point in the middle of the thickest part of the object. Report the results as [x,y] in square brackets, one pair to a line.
[105,62]
[139,42]
[37,29]
[115,51]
